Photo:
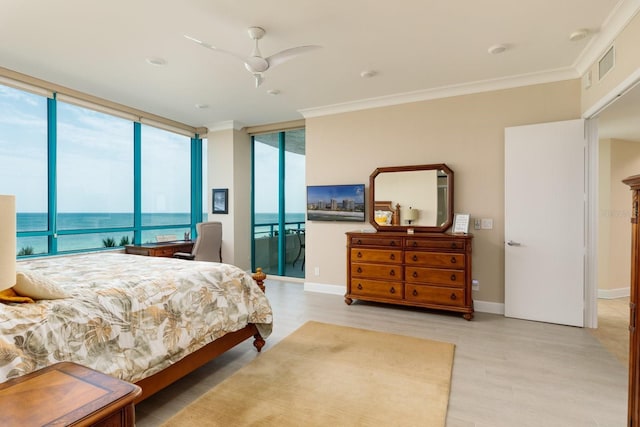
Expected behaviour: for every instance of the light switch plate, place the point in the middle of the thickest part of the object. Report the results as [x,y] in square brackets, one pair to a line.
[476,223]
[486,224]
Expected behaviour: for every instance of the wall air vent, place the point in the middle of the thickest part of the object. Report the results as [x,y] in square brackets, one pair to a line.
[606,63]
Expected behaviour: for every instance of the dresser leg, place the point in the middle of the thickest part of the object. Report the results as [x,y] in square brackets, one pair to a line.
[468,316]
[348,300]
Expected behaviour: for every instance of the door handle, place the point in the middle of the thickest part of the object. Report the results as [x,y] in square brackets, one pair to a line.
[512,243]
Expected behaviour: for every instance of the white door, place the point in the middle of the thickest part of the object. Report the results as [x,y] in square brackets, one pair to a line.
[545,222]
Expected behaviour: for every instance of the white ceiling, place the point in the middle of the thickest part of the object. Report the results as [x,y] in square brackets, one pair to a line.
[416,47]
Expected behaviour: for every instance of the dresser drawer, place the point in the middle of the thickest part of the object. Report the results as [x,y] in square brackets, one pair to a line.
[374,288]
[435,276]
[435,259]
[377,271]
[376,255]
[376,241]
[434,295]
[435,244]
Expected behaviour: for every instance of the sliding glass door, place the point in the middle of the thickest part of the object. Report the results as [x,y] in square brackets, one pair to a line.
[279,203]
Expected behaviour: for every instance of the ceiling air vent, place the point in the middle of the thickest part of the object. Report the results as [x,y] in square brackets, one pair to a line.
[606,63]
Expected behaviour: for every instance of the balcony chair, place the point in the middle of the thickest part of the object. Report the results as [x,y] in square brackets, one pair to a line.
[208,246]
[301,248]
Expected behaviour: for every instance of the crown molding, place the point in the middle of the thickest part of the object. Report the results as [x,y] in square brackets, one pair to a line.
[617,20]
[444,92]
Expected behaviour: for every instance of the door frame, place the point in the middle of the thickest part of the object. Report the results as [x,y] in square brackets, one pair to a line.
[591,221]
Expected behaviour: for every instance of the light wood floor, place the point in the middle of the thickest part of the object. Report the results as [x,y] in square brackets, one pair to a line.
[506,372]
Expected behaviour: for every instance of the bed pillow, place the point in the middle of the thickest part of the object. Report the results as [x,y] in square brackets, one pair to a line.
[35,285]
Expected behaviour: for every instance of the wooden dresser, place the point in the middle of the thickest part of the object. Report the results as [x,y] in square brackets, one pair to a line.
[431,270]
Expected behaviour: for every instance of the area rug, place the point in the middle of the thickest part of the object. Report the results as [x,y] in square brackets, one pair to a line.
[329,375]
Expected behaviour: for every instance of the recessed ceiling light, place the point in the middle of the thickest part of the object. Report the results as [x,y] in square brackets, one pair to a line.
[367,74]
[578,34]
[273,92]
[202,106]
[497,48]
[156,61]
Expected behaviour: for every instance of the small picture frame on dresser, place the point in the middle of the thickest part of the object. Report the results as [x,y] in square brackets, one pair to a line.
[460,223]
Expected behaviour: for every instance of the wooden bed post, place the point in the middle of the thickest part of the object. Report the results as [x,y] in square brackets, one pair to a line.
[259,276]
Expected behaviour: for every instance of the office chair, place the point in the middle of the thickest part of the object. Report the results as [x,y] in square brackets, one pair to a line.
[208,246]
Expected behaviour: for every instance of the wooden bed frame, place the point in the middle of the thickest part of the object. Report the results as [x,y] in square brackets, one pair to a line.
[193,361]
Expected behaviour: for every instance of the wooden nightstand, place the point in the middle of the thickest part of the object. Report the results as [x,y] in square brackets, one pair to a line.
[67,394]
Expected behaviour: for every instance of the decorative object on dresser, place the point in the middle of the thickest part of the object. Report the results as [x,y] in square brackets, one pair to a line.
[418,264]
[634,333]
[68,394]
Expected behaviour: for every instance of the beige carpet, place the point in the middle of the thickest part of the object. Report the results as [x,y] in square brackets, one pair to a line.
[328,375]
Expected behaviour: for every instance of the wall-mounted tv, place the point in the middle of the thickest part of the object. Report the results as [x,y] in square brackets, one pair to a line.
[335,202]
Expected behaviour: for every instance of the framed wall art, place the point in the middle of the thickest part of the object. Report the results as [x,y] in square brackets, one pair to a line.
[220,197]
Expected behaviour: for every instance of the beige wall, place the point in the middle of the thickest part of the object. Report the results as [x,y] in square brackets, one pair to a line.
[229,166]
[619,159]
[465,132]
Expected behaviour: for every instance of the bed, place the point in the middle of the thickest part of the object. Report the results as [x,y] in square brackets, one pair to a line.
[145,320]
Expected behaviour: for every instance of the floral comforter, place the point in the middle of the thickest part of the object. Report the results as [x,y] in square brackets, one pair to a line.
[129,316]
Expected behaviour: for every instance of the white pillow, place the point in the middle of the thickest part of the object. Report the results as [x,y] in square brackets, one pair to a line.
[35,285]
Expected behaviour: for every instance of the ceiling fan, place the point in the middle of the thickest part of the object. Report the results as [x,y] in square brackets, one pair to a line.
[255,62]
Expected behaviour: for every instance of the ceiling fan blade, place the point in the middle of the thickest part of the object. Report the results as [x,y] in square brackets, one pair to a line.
[287,54]
[212,47]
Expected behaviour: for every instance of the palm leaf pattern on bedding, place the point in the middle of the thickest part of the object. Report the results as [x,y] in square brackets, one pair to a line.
[129,316]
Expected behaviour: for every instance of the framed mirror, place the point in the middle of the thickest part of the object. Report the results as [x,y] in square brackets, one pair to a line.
[416,197]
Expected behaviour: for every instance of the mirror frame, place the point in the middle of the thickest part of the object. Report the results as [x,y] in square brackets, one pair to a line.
[418,228]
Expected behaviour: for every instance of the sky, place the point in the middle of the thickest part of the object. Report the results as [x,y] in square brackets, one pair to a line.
[100,179]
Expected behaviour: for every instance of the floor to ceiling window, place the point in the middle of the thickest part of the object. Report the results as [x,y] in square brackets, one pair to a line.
[279,203]
[88,180]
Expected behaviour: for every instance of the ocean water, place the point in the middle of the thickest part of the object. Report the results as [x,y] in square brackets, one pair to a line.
[28,222]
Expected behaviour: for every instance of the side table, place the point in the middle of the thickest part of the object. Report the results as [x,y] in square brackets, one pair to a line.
[67,394]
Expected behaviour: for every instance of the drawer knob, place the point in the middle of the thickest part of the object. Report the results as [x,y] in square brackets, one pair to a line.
[393,243]
[359,255]
[453,277]
[392,290]
[360,286]
[392,256]
[414,293]
[454,245]
[453,260]
[415,257]
[359,270]
[359,242]
[392,273]
[415,274]
[415,244]
[453,296]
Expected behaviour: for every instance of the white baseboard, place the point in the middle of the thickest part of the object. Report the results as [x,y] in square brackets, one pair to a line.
[488,307]
[324,288]
[614,293]
[479,306]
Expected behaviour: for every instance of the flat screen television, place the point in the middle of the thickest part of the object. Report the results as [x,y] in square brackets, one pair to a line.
[335,202]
